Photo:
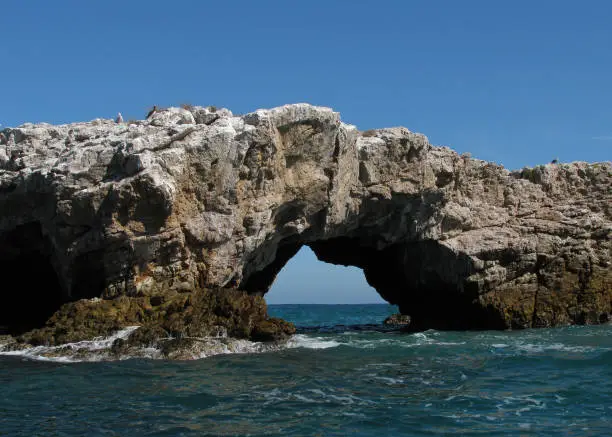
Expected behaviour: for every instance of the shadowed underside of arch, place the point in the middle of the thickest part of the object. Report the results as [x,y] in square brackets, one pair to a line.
[425,279]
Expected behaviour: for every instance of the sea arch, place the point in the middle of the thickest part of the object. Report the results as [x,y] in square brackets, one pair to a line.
[425,279]
[171,207]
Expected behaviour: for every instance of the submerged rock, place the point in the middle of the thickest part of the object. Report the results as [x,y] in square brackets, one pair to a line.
[397,320]
[146,215]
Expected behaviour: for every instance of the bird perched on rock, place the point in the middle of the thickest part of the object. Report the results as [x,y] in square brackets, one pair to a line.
[119,118]
[152,111]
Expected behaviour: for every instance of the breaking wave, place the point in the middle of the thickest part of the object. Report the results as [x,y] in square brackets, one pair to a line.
[101,349]
[87,350]
[527,343]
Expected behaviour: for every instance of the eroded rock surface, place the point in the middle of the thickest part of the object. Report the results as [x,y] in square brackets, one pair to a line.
[199,198]
[195,315]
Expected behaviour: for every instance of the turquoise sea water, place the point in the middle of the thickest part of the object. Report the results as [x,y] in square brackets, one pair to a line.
[341,375]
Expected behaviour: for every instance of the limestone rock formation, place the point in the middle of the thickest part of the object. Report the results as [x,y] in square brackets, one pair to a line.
[198,198]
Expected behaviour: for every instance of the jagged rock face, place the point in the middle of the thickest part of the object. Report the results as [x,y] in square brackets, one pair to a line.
[201,198]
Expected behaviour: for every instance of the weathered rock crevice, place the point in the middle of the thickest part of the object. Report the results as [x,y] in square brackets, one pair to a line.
[195,199]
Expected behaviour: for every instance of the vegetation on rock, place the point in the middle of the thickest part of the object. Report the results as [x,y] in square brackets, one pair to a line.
[197,314]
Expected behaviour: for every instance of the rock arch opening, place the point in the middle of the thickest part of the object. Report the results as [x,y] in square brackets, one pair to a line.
[307,280]
[425,279]
[30,290]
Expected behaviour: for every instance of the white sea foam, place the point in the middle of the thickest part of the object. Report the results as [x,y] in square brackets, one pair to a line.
[303,398]
[538,348]
[311,396]
[369,343]
[559,399]
[357,341]
[520,404]
[99,349]
[428,339]
[101,342]
[212,346]
[304,341]
[87,350]
[388,380]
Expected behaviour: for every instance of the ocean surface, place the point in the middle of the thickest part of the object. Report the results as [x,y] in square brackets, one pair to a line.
[341,375]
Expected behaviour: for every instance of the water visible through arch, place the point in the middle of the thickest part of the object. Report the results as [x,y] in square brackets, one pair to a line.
[320,297]
[425,279]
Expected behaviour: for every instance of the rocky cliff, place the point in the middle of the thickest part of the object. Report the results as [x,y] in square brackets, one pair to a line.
[197,198]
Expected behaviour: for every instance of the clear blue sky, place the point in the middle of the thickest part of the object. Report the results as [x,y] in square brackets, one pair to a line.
[518,83]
